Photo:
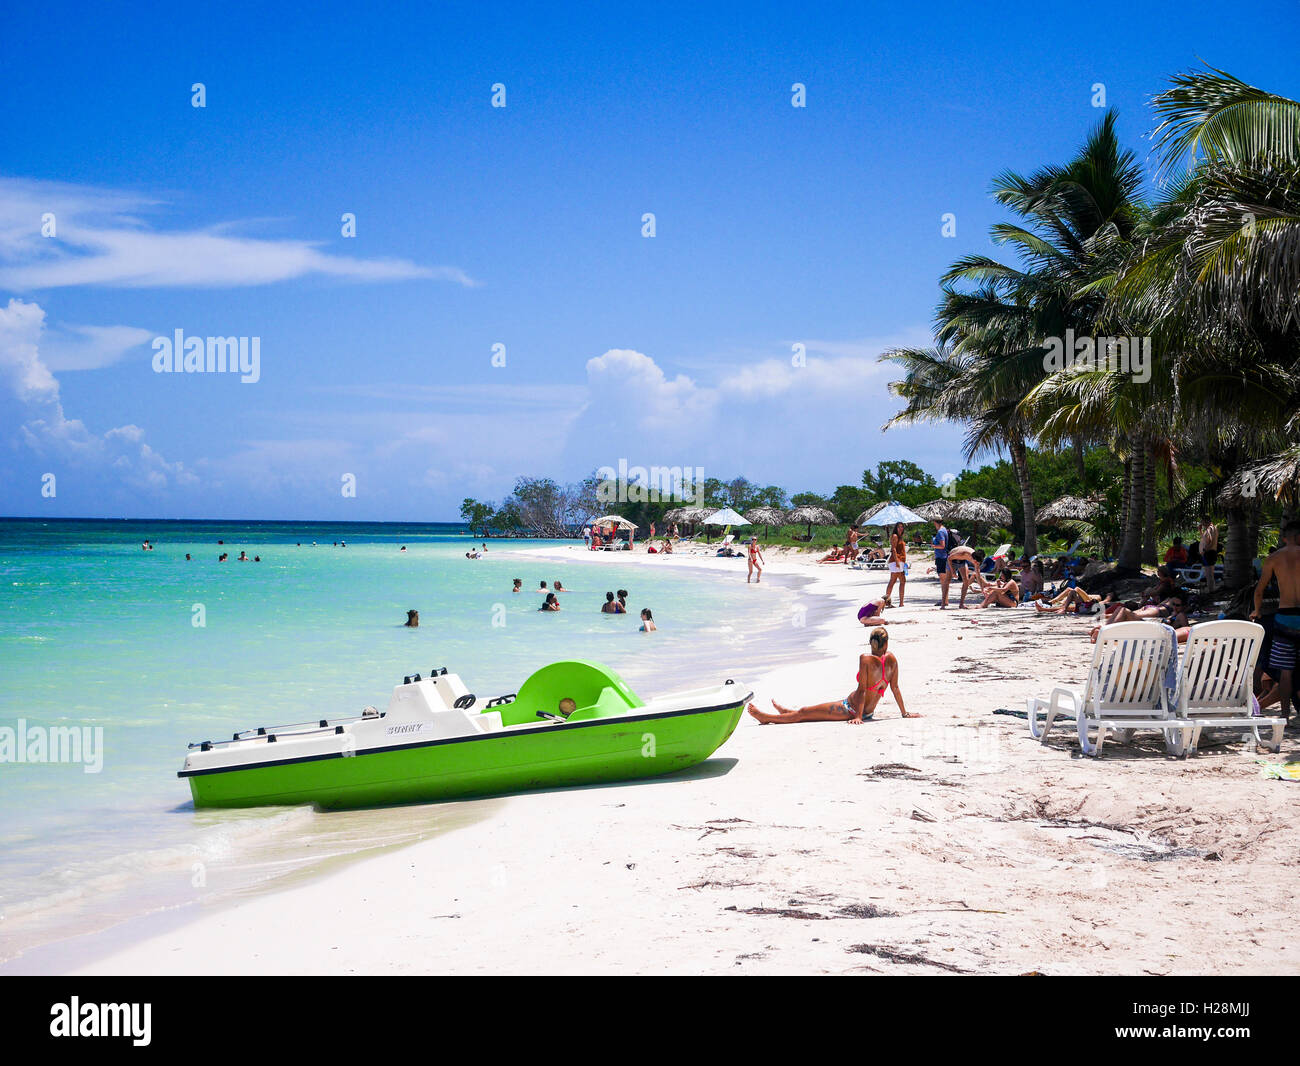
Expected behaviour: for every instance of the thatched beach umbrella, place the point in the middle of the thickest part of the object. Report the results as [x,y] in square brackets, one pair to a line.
[812,516]
[674,514]
[936,509]
[1070,509]
[979,512]
[766,517]
[618,522]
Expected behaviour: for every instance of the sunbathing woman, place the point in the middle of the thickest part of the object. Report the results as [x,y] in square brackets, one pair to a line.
[1006,593]
[833,556]
[876,673]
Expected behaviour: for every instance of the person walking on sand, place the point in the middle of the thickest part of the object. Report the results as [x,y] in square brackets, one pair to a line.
[897,563]
[877,672]
[756,561]
[1284,565]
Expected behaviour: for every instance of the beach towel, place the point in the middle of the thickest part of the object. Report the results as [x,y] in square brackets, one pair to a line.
[1279,771]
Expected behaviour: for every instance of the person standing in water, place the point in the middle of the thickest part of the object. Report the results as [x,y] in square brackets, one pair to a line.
[897,563]
[756,561]
[647,621]
[877,672]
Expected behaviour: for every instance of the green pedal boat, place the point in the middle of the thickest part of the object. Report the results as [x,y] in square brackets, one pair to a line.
[571,723]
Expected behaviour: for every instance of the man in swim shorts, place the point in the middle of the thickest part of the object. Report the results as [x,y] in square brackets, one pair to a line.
[1284,565]
[940,540]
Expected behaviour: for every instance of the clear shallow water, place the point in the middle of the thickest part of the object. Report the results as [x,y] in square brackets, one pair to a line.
[95,632]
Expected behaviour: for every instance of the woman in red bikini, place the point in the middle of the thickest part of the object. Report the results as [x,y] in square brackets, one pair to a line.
[876,673]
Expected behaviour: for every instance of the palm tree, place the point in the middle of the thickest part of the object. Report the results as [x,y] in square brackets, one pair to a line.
[1074,228]
[1217,275]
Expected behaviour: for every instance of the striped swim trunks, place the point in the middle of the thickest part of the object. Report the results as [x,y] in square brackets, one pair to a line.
[1286,633]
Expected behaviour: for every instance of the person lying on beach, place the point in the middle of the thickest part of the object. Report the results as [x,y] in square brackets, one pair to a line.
[1071,599]
[550,603]
[1172,613]
[647,621]
[877,672]
[1172,610]
[832,556]
[873,612]
[1005,593]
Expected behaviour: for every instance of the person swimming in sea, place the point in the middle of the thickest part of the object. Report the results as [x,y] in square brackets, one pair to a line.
[612,606]
[519,585]
[412,620]
[647,621]
[559,587]
[551,603]
[877,672]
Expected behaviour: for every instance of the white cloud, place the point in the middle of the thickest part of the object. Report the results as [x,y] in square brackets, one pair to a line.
[45,428]
[101,238]
[90,347]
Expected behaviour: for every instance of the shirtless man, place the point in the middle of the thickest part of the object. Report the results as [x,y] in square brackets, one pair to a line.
[1283,564]
[876,673]
[965,563]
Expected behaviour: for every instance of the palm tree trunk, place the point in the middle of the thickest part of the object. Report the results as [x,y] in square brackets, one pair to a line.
[1127,495]
[1079,468]
[1149,508]
[1021,461]
[1239,555]
[1130,548]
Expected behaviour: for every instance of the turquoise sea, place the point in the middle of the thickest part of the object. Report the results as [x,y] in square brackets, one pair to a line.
[97,634]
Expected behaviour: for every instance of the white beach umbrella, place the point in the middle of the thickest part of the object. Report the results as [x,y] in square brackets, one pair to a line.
[725,517]
[890,514]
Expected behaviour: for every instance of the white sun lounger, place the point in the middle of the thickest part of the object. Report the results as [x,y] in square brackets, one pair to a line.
[1126,690]
[1216,678]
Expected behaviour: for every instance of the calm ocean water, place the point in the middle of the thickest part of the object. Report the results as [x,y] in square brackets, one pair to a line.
[95,632]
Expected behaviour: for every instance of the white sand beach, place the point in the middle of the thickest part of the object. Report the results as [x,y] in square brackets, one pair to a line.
[953,843]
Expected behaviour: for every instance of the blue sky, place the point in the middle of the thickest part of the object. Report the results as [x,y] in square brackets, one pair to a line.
[521,226]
